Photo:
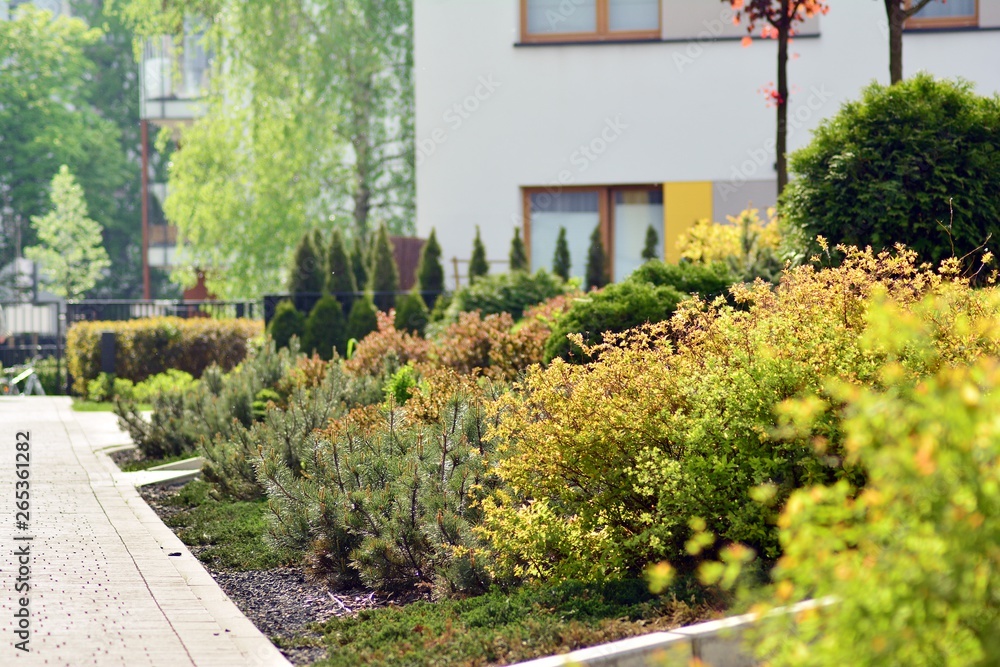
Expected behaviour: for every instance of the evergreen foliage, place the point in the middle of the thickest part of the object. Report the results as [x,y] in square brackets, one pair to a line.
[430,272]
[384,279]
[478,266]
[340,277]
[518,253]
[286,323]
[651,247]
[914,163]
[512,293]
[411,313]
[561,263]
[359,262]
[307,274]
[363,319]
[326,329]
[597,262]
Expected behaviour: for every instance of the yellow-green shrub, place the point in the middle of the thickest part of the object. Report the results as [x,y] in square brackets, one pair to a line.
[912,559]
[149,346]
[678,420]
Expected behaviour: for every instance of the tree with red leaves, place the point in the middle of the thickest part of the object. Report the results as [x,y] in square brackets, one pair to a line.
[779,18]
[897,11]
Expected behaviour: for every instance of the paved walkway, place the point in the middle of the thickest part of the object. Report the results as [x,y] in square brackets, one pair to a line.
[104,588]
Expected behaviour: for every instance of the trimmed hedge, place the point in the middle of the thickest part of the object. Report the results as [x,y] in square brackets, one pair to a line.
[149,346]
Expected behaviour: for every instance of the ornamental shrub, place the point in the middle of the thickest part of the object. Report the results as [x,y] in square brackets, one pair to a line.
[518,253]
[917,163]
[150,346]
[596,275]
[561,263]
[340,277]
[651,246]
[411,313]
[478,266]
[325,329]
[359,262]
[308,275]
[383,281]
[607,464]
[286,323]
[507,293]
[386,348]
[918,542]
[430,272]
[363,319]
[750,247]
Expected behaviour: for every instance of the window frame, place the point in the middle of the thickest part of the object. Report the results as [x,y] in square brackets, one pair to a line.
[914,23]
[603,33]
[605,211]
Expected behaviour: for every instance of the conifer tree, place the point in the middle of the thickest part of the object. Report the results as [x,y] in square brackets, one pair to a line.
[651,249]
[411,313]
[325,328]
[363,318]
[359,262]
[307,268]
[339,272]
[287,322]
[597,262]
[518,253]
[430,272]
[383,280]
[561,263]
[478,266]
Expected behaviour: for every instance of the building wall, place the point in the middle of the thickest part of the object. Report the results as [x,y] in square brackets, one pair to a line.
[493,117]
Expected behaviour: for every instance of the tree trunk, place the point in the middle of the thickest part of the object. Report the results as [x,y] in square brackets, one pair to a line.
[781,142]
[896,17]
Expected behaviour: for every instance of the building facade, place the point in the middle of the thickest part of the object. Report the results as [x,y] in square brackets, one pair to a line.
[625,113]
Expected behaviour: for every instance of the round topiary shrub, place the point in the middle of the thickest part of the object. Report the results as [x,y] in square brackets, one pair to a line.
[287,322]
[363,319]
[912,163]
[411,313]
[325,329]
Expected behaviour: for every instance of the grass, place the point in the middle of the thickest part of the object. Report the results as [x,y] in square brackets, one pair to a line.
[232,532]
[80,405]
[500,627]
[145,464]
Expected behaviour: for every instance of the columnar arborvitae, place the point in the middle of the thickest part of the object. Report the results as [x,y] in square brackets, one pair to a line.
[651,249]
[339,272]
[307,268]
[518,253]
[430,272]
[597,262]
[359,262]
[325,328]
[287,322]
[561,263]
[478,266]
[383,281]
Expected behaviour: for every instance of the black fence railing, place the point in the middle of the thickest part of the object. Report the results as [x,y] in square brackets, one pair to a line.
[304,301]
[37,330]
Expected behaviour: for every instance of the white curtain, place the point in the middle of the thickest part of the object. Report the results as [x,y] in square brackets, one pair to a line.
[950,9]
[635,211]
[577,212]
[552,17]
[633,15]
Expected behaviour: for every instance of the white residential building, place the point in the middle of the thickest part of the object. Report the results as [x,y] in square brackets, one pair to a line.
[624,113]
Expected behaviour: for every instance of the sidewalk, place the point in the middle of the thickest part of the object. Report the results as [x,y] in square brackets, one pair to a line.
[104,588]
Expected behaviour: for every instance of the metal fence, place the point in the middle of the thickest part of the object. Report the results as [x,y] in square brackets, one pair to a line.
[37,330]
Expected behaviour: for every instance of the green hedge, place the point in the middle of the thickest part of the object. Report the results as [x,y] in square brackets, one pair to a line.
[149,346]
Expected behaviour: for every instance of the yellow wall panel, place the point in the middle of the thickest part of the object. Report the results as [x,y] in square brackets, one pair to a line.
[684,203]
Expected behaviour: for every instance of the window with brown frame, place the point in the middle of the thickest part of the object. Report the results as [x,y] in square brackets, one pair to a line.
[623,213]
[589,20]
[950,14]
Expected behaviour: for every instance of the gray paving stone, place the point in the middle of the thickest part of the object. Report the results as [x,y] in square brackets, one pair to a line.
[104,591]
